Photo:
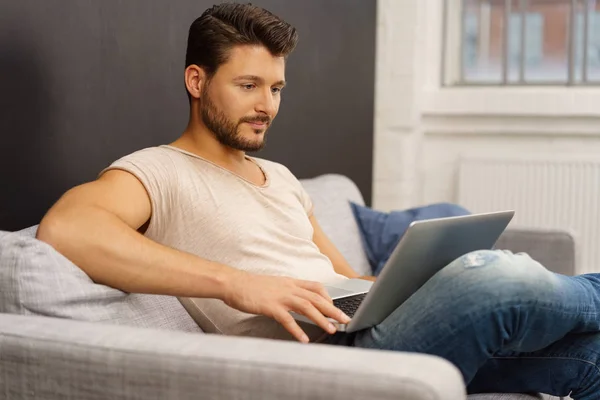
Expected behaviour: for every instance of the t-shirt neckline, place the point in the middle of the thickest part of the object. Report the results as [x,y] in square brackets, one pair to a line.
[251,159]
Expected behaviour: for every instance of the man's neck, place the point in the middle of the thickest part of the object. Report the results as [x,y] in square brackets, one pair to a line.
[203,144]
[198,140]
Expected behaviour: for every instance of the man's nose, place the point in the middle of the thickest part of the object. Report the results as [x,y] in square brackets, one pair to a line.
[267,104]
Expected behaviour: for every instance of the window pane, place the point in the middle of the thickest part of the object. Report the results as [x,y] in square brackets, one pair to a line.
[483,38]
[533,43]
[593,41]
[552,26]
[594,44]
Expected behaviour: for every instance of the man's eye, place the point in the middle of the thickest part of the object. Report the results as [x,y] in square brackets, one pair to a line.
[249,86]
[276,90]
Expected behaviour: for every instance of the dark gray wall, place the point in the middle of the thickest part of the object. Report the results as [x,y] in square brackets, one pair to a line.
[83,82]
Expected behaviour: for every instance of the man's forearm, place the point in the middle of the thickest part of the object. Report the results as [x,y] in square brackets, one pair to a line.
[114,254]
[368,278]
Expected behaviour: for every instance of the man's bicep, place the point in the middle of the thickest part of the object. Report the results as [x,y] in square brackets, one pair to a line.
[126,197]
[115,191]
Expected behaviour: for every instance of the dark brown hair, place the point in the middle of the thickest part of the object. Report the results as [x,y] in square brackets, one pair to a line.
[226,25]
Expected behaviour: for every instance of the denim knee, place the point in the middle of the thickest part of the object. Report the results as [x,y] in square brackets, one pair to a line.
[501,276]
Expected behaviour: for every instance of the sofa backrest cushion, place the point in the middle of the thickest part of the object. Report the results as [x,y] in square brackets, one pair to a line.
[37,280]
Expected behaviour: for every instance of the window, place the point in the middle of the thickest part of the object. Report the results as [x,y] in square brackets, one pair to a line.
[593,45]
[521,42]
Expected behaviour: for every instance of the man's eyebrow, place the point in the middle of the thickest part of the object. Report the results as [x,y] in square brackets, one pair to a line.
[257,79]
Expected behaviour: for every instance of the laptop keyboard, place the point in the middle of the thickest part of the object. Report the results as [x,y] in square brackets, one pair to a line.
[350,304]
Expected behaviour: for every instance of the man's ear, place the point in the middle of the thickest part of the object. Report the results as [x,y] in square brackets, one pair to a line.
[195,79]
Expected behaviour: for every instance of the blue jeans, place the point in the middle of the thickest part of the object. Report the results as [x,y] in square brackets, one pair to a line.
[505,321]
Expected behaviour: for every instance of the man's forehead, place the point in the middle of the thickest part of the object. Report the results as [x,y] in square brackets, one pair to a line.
[254,61]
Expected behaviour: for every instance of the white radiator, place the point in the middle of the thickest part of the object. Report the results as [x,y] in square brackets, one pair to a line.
[551,193]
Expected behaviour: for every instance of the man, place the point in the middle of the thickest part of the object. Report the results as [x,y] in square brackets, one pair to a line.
[199,218]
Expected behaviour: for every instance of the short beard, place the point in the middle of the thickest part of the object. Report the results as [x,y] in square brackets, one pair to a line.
[226,131]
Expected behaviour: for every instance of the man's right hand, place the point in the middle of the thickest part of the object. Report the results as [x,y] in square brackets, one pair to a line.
[275,297]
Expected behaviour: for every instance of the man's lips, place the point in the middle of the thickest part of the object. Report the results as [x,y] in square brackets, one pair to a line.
[257,124]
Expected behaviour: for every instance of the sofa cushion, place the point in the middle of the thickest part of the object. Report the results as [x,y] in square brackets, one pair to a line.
[331,195]
[554,249]
[37,280]
[381,231]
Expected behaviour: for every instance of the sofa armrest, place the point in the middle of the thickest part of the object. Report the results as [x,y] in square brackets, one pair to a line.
[554,249]
[62,359]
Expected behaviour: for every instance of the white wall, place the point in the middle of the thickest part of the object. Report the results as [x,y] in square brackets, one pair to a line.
[421,130]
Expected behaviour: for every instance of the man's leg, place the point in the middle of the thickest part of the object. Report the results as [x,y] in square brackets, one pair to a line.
[483,303]
[570,366]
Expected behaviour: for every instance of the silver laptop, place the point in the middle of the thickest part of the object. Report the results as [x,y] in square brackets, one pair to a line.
[426,247]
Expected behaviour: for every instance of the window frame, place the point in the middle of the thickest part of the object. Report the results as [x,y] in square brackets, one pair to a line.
[441,99]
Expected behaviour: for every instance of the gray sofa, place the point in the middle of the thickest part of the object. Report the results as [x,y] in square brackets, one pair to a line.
[64,337]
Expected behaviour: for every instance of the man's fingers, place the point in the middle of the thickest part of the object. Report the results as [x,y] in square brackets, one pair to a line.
[306,308]
[290,324]
[317,288]
[326,308]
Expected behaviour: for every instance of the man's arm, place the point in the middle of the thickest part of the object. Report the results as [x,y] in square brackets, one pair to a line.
[340,265]
[95,226]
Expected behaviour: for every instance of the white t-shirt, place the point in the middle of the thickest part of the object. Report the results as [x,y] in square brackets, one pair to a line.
[204,209]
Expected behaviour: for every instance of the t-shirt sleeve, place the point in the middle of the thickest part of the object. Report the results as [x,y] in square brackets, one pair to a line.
[155,170]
